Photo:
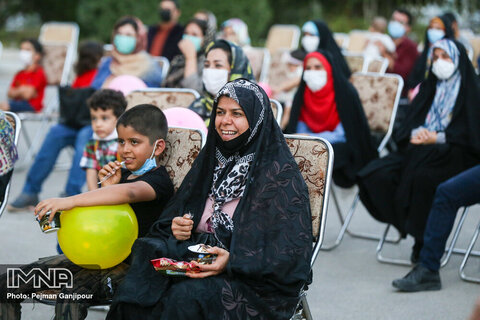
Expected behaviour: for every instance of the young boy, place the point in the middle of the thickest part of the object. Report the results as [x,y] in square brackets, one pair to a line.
[105,107]
[28,85]
[145,185]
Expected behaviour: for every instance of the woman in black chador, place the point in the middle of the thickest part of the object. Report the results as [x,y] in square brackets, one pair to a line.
[251,203]
[439,139]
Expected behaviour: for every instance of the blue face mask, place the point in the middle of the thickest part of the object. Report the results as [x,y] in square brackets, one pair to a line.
[435,35]
[149,164]
[396,29]
[197,41]
[124,44]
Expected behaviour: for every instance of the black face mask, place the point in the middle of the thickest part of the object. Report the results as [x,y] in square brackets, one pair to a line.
[165,15]
[227,148]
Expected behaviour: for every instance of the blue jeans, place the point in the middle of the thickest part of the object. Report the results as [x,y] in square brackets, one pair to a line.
[459,191]
[335,136]
[20,106]
[59,137]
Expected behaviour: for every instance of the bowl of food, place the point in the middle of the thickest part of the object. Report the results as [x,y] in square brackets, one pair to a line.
[200,254]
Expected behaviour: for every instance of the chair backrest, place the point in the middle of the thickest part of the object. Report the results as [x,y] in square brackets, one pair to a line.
[314,157]
[357,40]
[379,95]
[57,62]
[260,61]
[17,126]
[278,71]
[355,61]
[341,39]
[163,98]
[277,110]
[181,149]
[282,36]
[475,43]
[377,65]
[62,32]
[164,64]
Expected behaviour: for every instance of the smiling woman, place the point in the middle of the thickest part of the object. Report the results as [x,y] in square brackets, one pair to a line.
[260,232]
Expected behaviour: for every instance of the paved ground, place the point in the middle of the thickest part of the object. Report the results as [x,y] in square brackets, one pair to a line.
[348,282]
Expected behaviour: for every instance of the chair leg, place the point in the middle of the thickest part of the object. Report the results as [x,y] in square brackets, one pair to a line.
[451,247]
[383,259]
[467,255]
[306,309]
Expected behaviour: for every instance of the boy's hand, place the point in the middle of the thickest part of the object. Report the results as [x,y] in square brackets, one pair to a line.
[113,169]
[53,205]
[182,228]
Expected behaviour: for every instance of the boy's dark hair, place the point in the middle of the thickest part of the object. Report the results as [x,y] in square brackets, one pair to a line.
[107,99]
[126,20]
[89,53]
[37,46]
[407,13]
[146,119]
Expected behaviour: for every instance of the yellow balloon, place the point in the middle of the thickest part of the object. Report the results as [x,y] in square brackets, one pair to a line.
[98,237]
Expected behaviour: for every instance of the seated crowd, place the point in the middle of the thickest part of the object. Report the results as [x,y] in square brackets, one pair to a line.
[116,153]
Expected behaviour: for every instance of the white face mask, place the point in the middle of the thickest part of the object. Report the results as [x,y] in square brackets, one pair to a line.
[315,79]
[26,57]
[443,69]
[310,43]
[214,79]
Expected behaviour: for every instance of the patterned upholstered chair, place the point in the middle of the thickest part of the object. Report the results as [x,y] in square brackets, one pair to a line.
[314,157]
[379,95]
[378,65]
[355,61]
[260,61]
[17,125]
[163,98]
[181,148]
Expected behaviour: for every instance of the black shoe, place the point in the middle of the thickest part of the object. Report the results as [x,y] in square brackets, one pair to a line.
[419,279]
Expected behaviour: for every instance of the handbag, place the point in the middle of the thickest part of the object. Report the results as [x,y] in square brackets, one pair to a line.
[74,111]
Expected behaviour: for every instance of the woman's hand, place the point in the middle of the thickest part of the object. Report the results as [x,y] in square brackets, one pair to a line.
[182,227]
[423,136]
[217,267]
[53,205]
[113,168]
[187,48]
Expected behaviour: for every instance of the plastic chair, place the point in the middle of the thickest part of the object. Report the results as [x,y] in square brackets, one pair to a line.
[164,64]
[468,254]
[59,40]
[282,36]
[260,61]
[277,110]
[379,95]
[318,153]
[357,40]
[163,97]
[17,125]
[341,39]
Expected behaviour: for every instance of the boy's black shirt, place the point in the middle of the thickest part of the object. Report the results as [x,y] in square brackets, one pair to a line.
[148,212]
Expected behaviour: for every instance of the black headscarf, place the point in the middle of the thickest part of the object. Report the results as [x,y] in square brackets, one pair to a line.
[420,68]
[464,128]
[328,43]
[271,243]
[239,68]
[359,146]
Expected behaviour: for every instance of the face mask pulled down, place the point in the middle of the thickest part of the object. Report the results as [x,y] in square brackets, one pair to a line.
[315,79]
[149,164]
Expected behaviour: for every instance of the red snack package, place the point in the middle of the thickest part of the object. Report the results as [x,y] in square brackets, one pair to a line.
[172,267]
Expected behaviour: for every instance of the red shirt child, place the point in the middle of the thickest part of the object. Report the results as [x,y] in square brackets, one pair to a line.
[35,78]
